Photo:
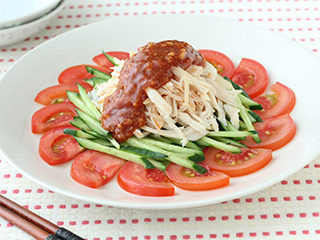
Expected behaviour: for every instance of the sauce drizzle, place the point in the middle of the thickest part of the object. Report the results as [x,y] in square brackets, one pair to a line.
[151,67]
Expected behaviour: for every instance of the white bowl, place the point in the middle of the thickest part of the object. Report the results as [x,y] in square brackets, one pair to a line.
[16,34]
[16,12]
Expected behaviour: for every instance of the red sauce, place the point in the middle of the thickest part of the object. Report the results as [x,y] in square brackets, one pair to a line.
[150,67]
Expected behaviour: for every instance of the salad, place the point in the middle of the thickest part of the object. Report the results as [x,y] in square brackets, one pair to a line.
[162,117]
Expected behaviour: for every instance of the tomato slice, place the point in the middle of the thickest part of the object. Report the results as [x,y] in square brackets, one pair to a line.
[57,93]
[252,76]
[78,73]
[94,169]
[52,116]
[55,147]
[187,179]
[220,61]
[136,179]
[102,61]
[280,102]
[273,132]
[235,165]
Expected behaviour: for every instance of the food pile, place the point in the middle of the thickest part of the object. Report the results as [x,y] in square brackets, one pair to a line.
[164,116]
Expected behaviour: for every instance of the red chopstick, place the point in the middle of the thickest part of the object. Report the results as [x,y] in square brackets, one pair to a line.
[33,224]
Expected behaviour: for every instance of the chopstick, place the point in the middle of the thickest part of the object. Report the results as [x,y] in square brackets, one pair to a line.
[25,225]
[33,224]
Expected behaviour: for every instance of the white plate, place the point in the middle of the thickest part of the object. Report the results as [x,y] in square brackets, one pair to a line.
[16,12]
[281,56]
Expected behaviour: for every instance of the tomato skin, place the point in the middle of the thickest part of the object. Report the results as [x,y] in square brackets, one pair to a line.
[220,61]
[135,179]
[57,92]
[281,102]
[190,180]
[274,133]
[56,148]
[77,74]
[252,76]
[258,158]
[52,116]
[102,61]
[95,169]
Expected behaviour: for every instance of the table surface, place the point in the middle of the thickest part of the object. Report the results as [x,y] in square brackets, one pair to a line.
[288,210]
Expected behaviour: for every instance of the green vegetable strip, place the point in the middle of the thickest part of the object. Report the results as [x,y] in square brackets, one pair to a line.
[157,164]
[95,81]
[110,58]
[231,134]
[249,103]
[192,154]
[139,151]
[245,117]
[209,142]
[96,127]
[103,142]
[78,123]
[97,73]
[230,141]
[77,101]
[191,145]
[144,152]
[115,152]
[171,147]
[231,128]
[78,133]
[242,125]
[237,87]
[158,138]
[255,116]
[173,157]
[93,124]
[251,118]
[175,141]
[86,100]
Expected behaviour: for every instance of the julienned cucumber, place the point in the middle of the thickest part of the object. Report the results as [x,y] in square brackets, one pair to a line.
[94,81]
[86,143]
[110,58]
[245,117]
[86,100]
[172,156]
[237,87]
[209,142]
[97,73]
[156,151]
[96,127]
[249,103]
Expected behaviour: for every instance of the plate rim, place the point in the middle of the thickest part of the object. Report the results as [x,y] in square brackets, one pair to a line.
[155,205]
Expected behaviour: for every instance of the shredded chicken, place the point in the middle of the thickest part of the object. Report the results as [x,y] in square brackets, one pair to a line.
[188,104]
[186,107]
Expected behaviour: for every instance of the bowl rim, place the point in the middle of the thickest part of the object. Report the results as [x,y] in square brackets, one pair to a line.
[36,21]
[35,11]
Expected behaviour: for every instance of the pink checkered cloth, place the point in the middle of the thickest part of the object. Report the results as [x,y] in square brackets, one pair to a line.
[287,210]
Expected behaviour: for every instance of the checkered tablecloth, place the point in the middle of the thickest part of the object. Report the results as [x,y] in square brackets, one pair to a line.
[287,210]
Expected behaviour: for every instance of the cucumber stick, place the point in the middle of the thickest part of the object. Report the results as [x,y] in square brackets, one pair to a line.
[172,157]
[110,58]
[94,81]
[97,73]
[86,100]
[86,143]
[96,127]
[249,103]
[245,117]
[209,142]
